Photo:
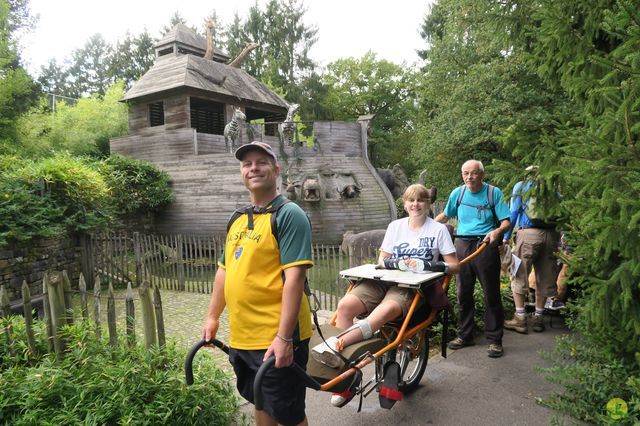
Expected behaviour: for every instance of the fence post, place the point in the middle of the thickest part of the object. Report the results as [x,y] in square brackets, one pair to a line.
[131,316]
[157,303]
[28,316]
[180,262]
[66,288]
[47,311]
[5,311]
[111,317]
[148,315]
[137,251]
[97,307]
[56,304]
[87,262]
[82,287]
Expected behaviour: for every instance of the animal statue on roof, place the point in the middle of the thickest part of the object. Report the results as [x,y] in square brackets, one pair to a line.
[287,127]
[232,129]
[240,58]
[210,25]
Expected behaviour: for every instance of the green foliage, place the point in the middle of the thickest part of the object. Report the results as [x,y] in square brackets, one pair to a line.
[136,185]
[17,90]
[60,194]
[590,377]
[372,86]
[81,129]
[48,197]
[282,58]
[96,384]
[477,86]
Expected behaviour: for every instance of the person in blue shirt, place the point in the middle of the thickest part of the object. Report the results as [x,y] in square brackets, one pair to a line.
[478,216]
[535,244]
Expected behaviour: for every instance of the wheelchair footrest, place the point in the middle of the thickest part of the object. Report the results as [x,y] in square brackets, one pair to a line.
[389,392]
[322,373]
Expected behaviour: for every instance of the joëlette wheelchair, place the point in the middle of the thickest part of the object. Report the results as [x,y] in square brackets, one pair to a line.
[399,350]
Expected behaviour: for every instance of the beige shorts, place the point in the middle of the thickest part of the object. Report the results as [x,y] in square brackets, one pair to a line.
[372,293]
[536,247]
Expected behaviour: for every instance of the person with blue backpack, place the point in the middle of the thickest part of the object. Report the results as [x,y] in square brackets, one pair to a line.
[482,216]
[536,242]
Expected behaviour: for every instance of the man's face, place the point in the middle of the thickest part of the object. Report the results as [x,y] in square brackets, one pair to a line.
[259,173]
[472,176]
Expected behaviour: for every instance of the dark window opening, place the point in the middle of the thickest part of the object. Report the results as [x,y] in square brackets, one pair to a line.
[166,51]
[156,114]
[207,116]
[185,51]
[257,118]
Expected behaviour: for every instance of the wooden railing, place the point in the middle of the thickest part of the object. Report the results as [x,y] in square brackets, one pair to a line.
[189,263]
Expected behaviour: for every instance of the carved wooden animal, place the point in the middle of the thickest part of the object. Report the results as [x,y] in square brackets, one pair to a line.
[240,58]
[287,128]
[362,246]
[209,53]
[311,189]
[232,129]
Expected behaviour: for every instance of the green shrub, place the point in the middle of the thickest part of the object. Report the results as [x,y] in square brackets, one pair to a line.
[49,197]
[97,384]
[136,185]
[590,377]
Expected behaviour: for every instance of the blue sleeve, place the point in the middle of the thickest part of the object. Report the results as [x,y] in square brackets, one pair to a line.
[451,209]
[514,209]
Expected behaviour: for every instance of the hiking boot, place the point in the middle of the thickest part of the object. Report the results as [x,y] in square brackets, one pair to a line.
[458,343]
[537,323]
[517,323]
[553,304]
[495,350]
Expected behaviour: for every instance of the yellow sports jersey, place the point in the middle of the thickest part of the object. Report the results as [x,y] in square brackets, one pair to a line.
[254,263]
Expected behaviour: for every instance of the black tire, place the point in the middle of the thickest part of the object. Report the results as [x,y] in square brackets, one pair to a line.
[413,356]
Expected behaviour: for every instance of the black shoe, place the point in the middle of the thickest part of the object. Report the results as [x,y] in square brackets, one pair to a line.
[458,343]
[495,350]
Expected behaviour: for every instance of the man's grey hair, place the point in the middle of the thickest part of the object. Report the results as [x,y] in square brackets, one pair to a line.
[473,161]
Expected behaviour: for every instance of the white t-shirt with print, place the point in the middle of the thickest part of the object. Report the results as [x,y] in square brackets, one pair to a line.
[428,242]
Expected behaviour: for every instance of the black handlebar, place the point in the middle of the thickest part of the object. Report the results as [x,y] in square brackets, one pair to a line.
[188,365]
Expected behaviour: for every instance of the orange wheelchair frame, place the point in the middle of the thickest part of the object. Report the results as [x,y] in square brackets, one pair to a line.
[407,338]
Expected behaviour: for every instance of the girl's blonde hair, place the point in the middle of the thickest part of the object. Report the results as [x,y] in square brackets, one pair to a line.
[416,192]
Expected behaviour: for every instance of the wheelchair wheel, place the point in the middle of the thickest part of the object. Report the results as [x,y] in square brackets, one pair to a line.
[412,356]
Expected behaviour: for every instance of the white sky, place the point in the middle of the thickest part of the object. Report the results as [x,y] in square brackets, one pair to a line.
[347,28]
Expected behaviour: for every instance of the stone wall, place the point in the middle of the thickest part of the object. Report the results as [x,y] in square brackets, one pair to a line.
[29,260]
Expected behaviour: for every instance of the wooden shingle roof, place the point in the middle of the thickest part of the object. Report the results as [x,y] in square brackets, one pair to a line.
[184,36]
[188,71]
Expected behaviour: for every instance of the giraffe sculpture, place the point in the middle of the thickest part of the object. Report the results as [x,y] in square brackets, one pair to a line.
[287,127]
[232,129]
[209,53]
[240,58]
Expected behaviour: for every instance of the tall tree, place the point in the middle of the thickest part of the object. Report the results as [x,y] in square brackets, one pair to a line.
[282,58]
[131,58]
[374,86]
[476,86]
[17,89]
[90,66]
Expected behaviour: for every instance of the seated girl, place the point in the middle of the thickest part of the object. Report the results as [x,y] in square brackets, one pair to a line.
[411,243]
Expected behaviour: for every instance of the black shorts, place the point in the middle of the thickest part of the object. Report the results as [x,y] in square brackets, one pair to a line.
[283,391]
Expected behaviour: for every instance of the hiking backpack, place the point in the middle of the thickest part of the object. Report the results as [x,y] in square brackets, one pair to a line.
[490,198]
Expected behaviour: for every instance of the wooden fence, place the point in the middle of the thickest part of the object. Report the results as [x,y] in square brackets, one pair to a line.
[57,298]
[189,263]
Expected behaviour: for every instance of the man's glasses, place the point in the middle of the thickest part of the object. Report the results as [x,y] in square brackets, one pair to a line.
[467,174]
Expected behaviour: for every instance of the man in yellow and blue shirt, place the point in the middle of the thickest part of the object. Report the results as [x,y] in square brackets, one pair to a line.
[261,280]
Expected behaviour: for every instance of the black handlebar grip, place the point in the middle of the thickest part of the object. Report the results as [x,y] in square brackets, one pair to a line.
[188,364]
